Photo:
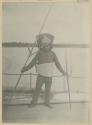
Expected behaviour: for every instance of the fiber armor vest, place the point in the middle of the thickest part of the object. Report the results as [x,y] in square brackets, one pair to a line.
[45,69]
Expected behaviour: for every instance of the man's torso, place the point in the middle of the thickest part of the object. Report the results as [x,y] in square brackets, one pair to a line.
[45,57]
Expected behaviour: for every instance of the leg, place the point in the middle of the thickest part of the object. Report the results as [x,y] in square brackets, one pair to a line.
[39,83]
[48,82]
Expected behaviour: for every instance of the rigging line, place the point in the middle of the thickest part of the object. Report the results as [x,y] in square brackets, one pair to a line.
[70,76]
[67,79]
[44,22]
[42,26]
[27,103]
[20,77]
[78,77]
[29,74]
[45,19]
[30,52]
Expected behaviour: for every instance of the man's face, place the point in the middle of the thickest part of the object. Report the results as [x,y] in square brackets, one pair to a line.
[47,48]
[46,44]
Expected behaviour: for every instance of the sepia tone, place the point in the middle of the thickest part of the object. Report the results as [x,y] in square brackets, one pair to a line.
[69,93]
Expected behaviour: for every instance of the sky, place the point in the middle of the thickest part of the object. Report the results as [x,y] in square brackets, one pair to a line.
[68,22]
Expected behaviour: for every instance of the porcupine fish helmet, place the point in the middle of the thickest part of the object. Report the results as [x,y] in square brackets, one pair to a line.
[44,40]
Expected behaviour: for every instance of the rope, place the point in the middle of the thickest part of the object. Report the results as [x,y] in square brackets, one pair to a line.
[30,51]
[14,74]
[27,103]
[29,74]
[45,19]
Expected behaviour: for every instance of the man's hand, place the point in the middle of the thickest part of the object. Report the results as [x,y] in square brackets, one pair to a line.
[65,74]
[23,69]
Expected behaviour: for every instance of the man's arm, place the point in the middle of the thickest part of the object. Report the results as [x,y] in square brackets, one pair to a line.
[58,65]
[30,65]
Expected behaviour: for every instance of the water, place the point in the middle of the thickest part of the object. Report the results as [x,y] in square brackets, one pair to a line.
[78,60]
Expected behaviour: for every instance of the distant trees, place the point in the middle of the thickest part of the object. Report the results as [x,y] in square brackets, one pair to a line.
[56,45]
[17,44]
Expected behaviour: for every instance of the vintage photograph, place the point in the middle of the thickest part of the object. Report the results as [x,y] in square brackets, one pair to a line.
[45,62]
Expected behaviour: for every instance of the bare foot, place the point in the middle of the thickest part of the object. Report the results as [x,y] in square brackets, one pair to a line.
[32,105]
[48,105]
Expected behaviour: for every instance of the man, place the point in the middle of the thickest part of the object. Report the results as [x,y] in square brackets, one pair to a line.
[44,61]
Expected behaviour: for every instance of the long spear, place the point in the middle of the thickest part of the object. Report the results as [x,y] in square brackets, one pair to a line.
[45,19]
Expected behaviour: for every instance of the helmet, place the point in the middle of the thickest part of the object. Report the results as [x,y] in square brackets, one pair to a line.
[44,39]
